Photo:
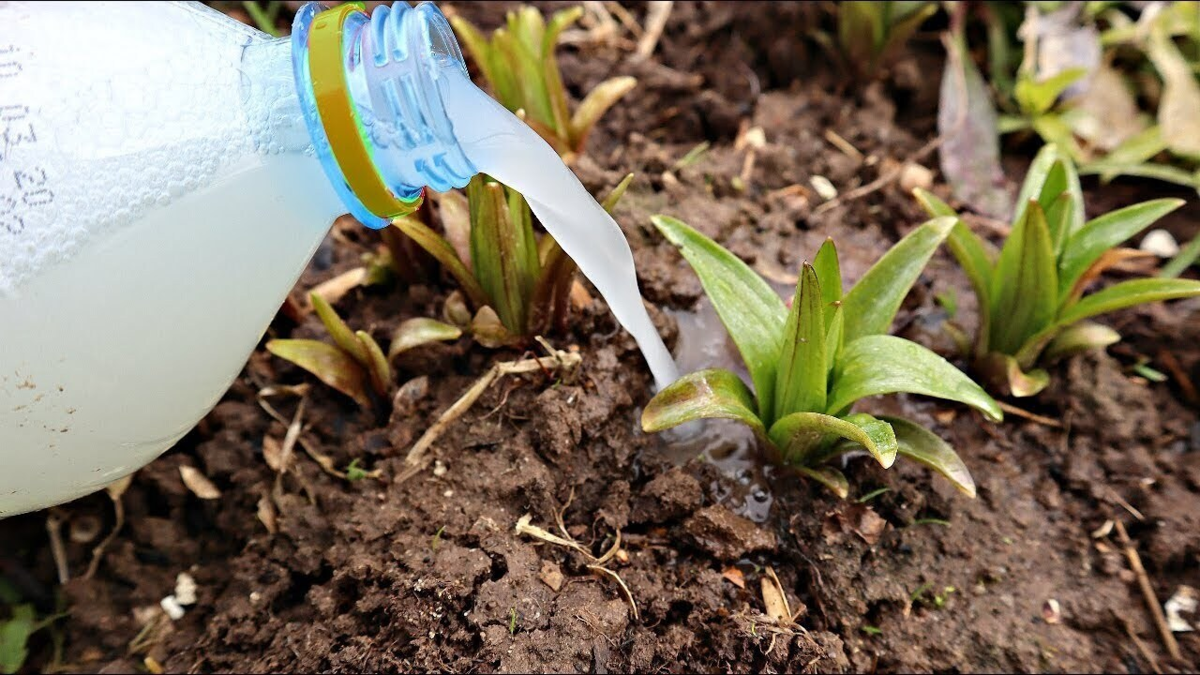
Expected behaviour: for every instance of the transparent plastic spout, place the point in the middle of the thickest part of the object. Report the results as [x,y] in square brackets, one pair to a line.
[392,65]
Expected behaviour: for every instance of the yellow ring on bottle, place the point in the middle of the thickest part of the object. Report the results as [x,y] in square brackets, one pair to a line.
[337,115]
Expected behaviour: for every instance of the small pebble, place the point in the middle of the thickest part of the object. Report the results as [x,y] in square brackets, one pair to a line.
[823,187]
[185,589]
[171,606]
[1160,243]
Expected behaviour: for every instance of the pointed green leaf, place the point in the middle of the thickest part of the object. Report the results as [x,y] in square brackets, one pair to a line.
[1081,337]
[594,105]
[338,330]
[444,253]
[923,446]
[1105,232]
[800,384]
[1052,172]
[329,364]
[1128,294]
[884,364]
[972,254]
[420,331]
[833,337]
[610,202]
[829,275]
[827,475]
[873,302]
[806,438]
[528,262]
[1025,286]
[1058,221]
[705,394]
[753,314]
[500,250]
[376,363]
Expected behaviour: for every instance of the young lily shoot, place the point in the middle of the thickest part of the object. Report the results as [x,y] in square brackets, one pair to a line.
[810,364]
[518,285]
[1031,293]
[521,71]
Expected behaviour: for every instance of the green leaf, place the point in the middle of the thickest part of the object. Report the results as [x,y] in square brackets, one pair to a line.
[337,329]
[923,446]
[1105,232]
[1128,294]
[1081,337]
[1051,172]
[610,202]
[906,18]
[705,394]
[968,249]
[1037,98]
[329,364]
[376,364]
[873,302]
[552,292]
[802,378]
[829,275]
[807,438]
[14,638]
[420,331]
[553,76]
[1025,286]
[594,105]
[833,338]
[1187,256]
[884,364]
[753,314]
[827,475]
[1058,221]
[500,251]
[444,253]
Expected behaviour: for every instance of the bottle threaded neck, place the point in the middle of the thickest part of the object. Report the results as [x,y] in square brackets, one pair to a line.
[369,89]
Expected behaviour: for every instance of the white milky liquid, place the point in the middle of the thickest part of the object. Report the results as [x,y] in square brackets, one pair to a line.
[502,146]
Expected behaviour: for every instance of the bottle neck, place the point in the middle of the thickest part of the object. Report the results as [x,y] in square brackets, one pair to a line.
[370,93]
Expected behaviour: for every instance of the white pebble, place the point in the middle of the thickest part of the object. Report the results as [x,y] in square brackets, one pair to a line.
[185,589]
[1160,243]
[172,607]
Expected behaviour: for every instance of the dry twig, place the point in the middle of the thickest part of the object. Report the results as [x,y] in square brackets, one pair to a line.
[656,21]
[879,183]
[1135,562]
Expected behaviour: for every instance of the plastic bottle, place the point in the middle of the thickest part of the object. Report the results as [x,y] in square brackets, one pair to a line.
[165,175]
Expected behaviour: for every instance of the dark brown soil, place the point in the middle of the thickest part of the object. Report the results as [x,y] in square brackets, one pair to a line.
[430,574]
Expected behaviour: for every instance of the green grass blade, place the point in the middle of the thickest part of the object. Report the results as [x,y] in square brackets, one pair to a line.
[1186,258]
[800,384]
[377,364]
[498,251]
[885,364]
[1025,285]
[873,302]
[594,105]
[924,447]
[1105,232]
[804,438]
[705,394]
[753,314]
[610,202]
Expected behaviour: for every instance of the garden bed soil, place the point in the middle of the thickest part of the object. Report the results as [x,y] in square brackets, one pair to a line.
[429,573]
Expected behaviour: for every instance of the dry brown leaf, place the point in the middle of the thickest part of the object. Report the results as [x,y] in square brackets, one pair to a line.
[332,290]
[198,483]
[273,453]
[734,576]
[774,599]
[267,514]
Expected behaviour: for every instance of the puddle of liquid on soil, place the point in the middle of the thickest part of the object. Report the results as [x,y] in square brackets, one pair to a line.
[729,446]
[502,146]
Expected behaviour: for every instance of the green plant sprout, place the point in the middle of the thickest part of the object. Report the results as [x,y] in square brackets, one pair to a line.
[812,363]
[520,68]
[871,33]
[354,364]
[18,624]
[518,285]
[1030,294]
[1133,112]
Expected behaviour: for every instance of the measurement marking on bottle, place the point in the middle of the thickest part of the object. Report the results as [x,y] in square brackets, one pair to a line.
[30,187]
